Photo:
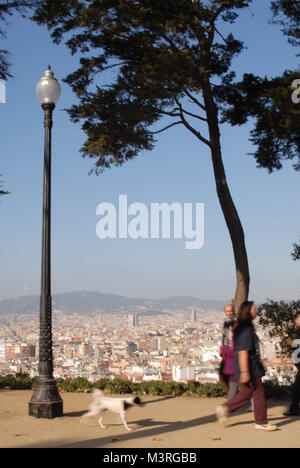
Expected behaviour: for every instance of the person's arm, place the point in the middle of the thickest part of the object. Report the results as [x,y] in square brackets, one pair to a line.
[244,366]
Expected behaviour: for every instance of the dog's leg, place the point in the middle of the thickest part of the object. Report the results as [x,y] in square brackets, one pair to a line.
[100,420]
[93,410]
[90,413]
[122,414]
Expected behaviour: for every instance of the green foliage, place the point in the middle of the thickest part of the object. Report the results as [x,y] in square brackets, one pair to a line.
[276,391]
[277,119]
[17,383]
[22,383]
[74,385]
[192,388]
[278,318]
[269,102]
[159,54]
[118,386]
[102,384]
[155,388]
[207,390]
[153,56]
[6,381]
[287,14]
[160,388]
[210,390]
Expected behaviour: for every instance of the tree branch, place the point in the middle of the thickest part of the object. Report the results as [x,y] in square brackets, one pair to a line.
[220,34]
[189,126]
[108,67]
[175,113]
[166,128]
[195,101]
[195,116]
[172,113]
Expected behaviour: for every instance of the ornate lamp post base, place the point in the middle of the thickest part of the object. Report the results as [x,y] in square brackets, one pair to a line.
[46,409]
[46,401]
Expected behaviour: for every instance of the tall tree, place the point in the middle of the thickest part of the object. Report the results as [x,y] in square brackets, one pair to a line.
[169,58]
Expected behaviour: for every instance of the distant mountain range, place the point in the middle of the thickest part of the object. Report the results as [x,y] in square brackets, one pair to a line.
[90,302]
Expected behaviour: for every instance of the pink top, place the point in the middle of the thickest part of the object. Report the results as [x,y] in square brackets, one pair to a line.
[227,353]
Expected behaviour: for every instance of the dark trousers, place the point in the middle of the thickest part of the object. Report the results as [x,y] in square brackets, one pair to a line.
[295,405]
[253,389]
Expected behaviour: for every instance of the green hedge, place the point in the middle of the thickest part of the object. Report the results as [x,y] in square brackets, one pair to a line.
[17,383]
[276,391]
[157,388]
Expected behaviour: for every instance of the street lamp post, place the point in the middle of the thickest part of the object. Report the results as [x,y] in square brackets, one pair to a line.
[46,401]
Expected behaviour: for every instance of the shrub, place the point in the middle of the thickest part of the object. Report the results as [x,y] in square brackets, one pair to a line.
[154,387]
[210,390]
[191,388]
[278,319]
[173,388]
[6,381]
[276,391]
[102,384]
[119,386]
[22,383]
[74,385]
[17,383]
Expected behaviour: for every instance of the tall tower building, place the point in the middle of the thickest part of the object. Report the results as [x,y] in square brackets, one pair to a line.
[193,316]
[133,320]
[161,344]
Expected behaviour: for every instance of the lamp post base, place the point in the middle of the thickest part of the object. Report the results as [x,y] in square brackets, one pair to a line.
[46,409]
[46,402]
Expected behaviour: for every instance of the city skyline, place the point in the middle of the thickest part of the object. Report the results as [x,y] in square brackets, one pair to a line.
[147,349]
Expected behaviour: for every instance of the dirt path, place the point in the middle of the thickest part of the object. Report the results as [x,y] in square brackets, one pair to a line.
[162,422]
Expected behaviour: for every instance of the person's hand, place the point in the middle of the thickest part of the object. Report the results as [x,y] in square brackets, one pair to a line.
[245,377]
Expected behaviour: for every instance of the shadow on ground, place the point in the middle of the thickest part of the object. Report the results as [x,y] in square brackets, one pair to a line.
[164,427]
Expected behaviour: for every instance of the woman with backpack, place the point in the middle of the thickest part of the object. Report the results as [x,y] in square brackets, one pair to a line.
[249,370]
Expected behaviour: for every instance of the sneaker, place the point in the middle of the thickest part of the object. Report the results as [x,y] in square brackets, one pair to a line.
[222,413]
[266,427]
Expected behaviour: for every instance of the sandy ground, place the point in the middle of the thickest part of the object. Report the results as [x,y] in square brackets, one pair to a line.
[162,422]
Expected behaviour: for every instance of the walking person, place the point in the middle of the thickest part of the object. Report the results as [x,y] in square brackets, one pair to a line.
[227,352]
[248,370]
[294,409]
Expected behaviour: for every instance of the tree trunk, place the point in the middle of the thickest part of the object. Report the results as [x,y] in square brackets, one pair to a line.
[229,210]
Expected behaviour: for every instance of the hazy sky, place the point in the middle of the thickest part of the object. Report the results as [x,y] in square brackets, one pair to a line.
[179,169]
